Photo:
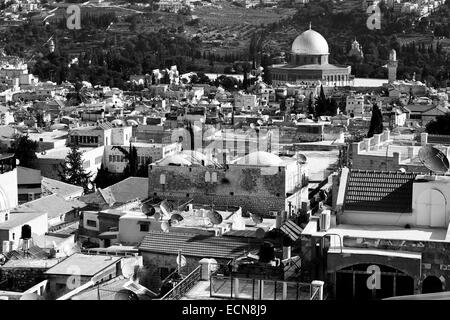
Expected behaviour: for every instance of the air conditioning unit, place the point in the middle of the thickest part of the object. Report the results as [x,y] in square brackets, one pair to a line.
[325,220]
[273,214]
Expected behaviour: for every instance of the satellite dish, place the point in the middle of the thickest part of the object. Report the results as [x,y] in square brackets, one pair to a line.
[176,217]
[252,125]
[165,207]
[260,233]
[433,159]
[215,217]
[90,186]
[148,209]
[301,158]
[257,218]
[260,122]
[126,294]
[128,270]
[181,260]
[165,226]
[402,170]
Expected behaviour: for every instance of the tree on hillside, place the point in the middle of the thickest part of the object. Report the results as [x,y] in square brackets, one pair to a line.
[72,170]
[441,125]
[24,150]
[376,121]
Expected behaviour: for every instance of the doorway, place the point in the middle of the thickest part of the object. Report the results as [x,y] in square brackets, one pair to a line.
[431,284]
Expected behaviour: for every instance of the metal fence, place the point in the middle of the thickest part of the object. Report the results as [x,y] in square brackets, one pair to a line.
[184,286]
[258,289]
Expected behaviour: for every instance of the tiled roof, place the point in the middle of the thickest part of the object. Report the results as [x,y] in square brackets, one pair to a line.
[197,245]
[379,191]
[122,192]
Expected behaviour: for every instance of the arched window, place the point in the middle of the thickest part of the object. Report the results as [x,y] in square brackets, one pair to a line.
[162,179]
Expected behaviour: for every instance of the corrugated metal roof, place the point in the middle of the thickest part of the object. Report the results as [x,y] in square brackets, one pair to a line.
[379,191]
[197,245]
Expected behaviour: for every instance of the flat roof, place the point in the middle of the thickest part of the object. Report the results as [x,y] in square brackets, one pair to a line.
[89,265]
[388,232]
[17,219]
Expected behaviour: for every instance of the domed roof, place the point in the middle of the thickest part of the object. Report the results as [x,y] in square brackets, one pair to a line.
[310,42]
[260,158]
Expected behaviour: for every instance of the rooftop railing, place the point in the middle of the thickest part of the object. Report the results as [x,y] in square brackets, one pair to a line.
[228,287]
[184,285]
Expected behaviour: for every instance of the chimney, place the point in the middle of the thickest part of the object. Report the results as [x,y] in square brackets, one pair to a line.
[423,138]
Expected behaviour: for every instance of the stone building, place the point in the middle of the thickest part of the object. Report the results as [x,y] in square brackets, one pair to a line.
[259,182]
[309,63]
[393,223]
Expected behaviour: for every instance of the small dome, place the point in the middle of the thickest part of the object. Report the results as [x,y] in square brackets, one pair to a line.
[260,158]
[310,42]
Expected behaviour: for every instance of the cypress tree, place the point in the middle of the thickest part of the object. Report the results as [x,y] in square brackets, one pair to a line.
[376,122]
[72,170]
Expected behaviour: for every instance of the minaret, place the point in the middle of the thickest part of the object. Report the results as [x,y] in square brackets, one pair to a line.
[392,66]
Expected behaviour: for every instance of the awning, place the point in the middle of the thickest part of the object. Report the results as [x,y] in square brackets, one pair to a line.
[109,235]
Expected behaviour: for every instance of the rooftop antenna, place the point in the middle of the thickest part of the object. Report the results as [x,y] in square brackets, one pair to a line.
[433,159]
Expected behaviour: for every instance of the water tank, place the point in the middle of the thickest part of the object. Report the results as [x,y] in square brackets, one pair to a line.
[26,232]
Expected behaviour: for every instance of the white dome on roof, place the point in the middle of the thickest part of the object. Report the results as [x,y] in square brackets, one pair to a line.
[260,158]
[310,42]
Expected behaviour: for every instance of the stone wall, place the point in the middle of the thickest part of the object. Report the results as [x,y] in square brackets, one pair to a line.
[255,189]
[21,279]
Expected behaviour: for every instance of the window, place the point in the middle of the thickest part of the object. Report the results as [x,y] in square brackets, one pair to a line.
[144,227]
[207,177]
[13,236]
[86,164]
[111,158]
[162,179]
[98,160]
[214,177]
[6,217]
[91,223]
